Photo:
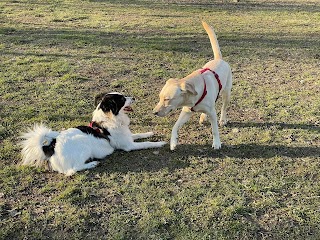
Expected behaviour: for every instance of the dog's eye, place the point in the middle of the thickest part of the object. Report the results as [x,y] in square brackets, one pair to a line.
[167,99]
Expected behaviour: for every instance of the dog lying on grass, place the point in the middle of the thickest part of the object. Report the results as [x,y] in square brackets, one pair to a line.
[198,92]
[76,149]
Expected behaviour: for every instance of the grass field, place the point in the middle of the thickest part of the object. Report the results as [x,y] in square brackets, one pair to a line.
[263,184]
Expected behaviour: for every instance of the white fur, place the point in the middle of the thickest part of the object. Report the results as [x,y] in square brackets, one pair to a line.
[74,148]
[187,91]
[121,136]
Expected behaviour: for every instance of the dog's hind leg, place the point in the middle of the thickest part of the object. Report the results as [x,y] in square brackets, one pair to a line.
[226,95]
[142,135]
[82,167]
[183,118]
[215,131]
[225,101]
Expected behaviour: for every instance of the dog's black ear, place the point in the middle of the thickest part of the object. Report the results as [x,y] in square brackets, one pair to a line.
[99,98]
[113,103]
[108,105]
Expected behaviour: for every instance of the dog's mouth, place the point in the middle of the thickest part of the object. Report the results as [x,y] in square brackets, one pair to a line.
[128,109]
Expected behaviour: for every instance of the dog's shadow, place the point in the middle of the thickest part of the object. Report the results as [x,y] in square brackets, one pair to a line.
[278,125]
[153,160]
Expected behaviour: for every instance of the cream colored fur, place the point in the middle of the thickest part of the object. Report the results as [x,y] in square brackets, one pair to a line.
[187,91]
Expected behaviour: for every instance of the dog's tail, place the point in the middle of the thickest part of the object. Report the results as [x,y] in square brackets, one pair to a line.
[213,40]
[37,145]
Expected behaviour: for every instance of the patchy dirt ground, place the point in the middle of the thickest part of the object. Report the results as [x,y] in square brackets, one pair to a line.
[263,183]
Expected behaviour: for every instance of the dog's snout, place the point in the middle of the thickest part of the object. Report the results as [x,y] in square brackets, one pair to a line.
[156,113]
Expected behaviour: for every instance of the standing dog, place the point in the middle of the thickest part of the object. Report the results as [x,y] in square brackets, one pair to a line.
[74,149]
[198,92]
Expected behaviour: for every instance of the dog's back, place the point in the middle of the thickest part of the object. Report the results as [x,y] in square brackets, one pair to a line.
[74,148]
[67,151]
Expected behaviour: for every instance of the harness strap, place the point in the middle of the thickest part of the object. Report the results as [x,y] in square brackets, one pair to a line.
[203,94]
[92,124]
[215,75]
[205,85]
[97,131]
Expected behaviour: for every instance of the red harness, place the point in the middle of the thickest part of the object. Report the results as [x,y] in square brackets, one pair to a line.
[91,124]
[205,86]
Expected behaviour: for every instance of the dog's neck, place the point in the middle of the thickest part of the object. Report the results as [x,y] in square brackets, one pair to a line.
[110,121]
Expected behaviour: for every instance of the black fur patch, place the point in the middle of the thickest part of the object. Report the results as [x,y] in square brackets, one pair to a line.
[95,131]
[112,102]
[49,150]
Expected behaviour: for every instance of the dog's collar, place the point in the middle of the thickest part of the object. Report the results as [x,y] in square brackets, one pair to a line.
[205,86]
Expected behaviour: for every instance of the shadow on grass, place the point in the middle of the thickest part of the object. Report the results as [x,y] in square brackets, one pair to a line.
[277,125]
[161,39]
[251,151]
[147,161]
[222,5]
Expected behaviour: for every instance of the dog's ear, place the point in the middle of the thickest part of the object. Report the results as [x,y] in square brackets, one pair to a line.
[112,102]
[98,98]
[188,87]
[108,105]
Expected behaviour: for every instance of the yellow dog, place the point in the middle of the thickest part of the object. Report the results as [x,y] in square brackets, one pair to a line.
[198,92]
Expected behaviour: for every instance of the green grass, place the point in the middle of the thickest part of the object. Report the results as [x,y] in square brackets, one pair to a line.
[263,184]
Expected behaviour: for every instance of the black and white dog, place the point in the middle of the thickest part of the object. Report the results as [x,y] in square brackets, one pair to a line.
[76,148]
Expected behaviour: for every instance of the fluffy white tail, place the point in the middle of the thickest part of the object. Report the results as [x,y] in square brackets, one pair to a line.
[213,40]
[32,145]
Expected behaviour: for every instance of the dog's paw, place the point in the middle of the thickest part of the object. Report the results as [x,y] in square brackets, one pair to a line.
[149,134]
[162,143]
[216,144]
[158,144]
[92,164]
[223,122]
[173,144]
[203,118]
[70,172]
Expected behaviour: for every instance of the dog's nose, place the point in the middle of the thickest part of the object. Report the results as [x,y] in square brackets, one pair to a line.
[133,99]
[155,113]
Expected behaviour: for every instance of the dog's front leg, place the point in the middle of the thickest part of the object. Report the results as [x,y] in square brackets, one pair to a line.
[215,131]
[142,145]
[142,135]
[183,118]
